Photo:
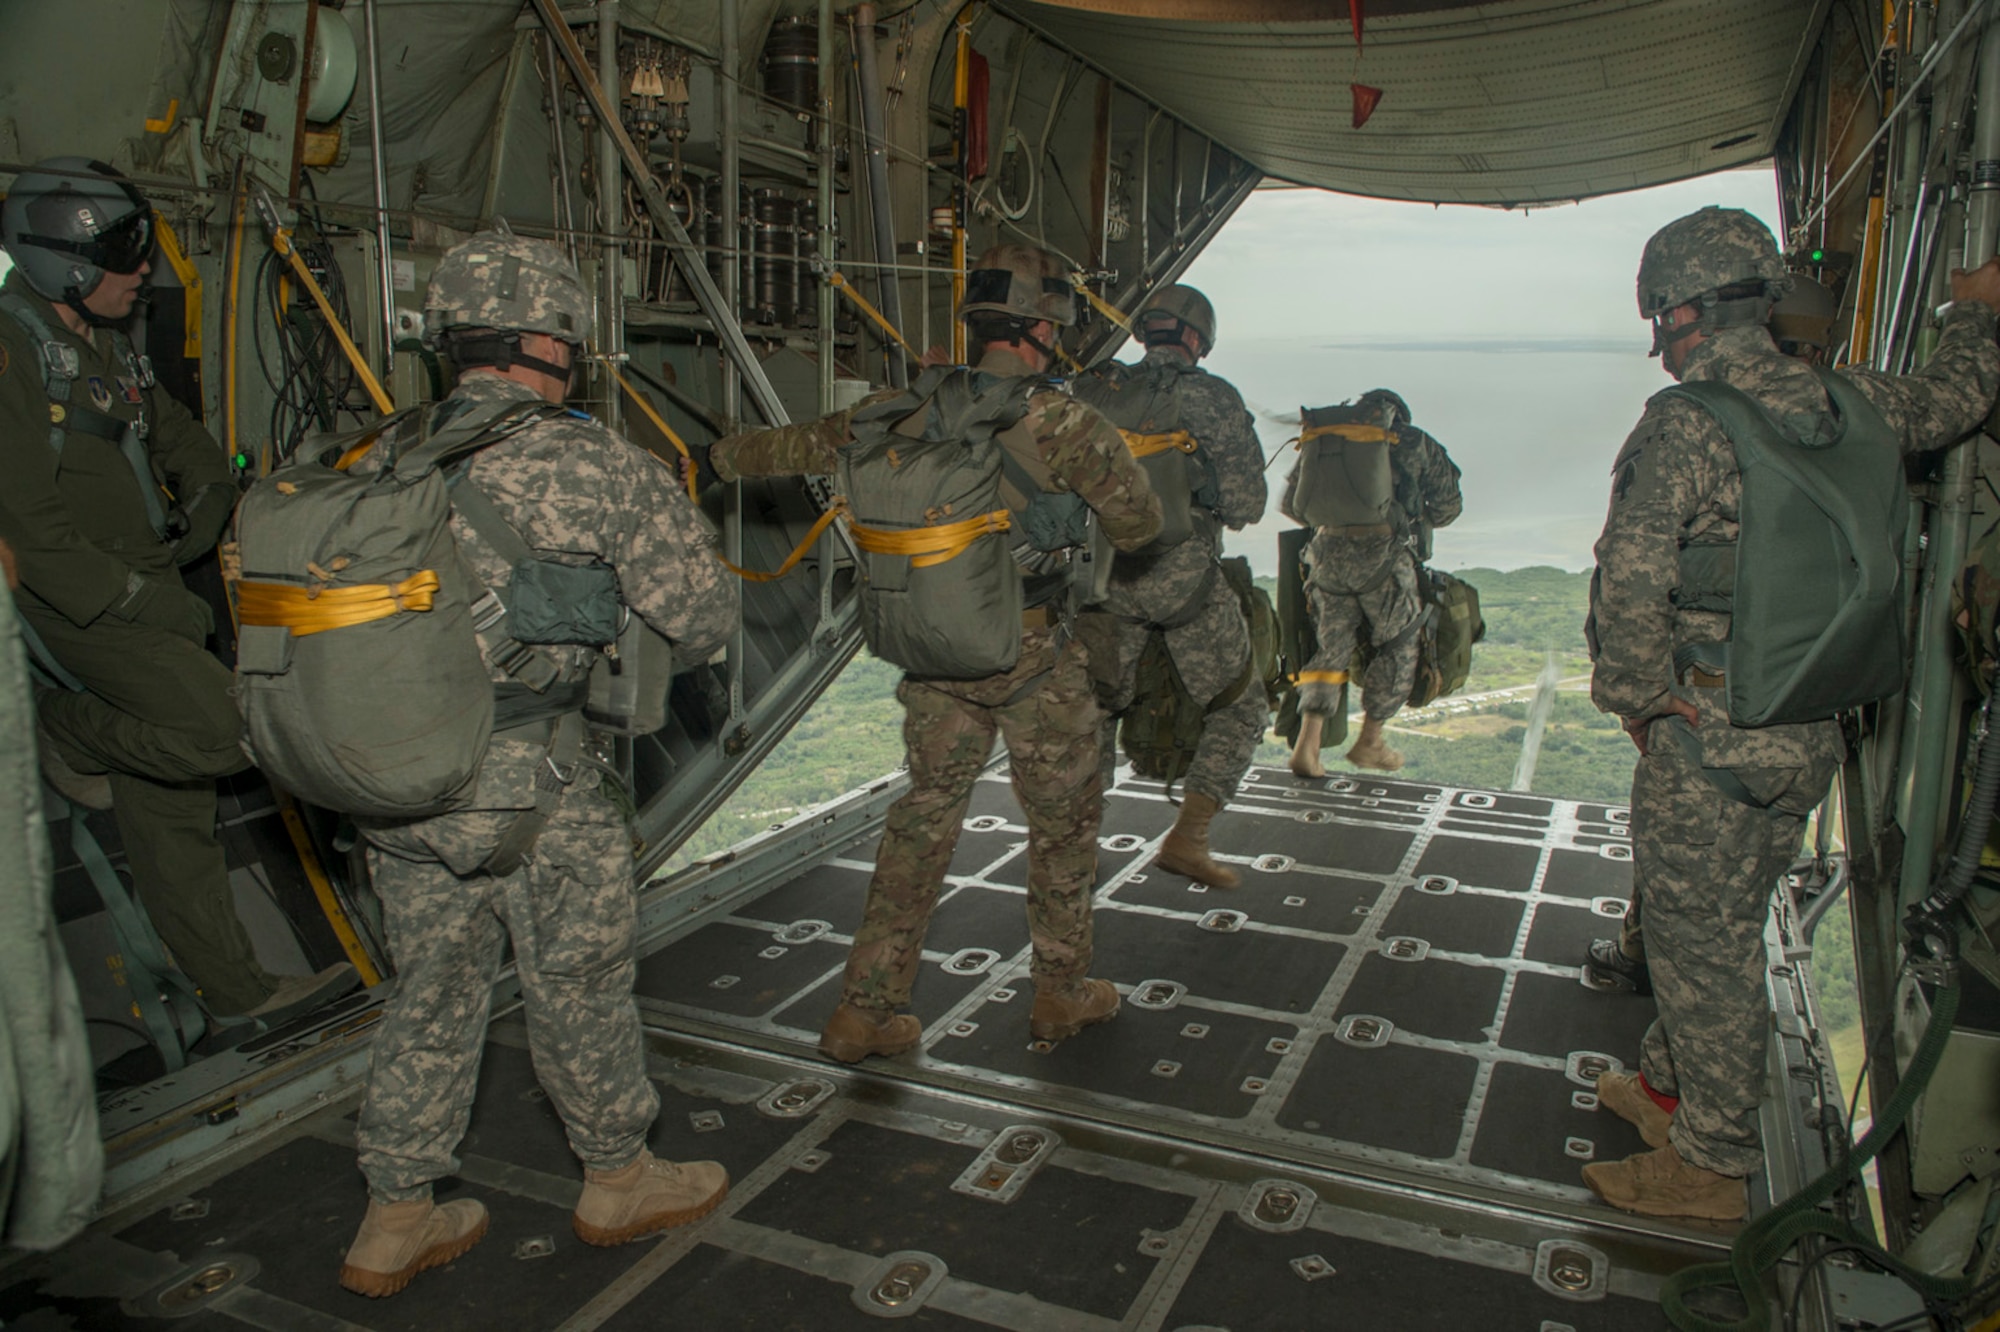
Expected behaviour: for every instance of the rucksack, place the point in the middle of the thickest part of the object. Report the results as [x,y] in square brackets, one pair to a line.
[950,511]
[1143,402]
[360,669]
[1813,584]
[1345,478]
[1450,625]
[1160,728]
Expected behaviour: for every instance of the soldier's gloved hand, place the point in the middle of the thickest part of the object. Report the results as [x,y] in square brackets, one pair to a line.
[163,605]
[200,522]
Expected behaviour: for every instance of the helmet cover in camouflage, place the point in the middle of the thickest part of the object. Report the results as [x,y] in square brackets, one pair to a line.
[1390,398]
[1806,313]
[1702,253]
[1024,281]
[509,283]
[1184,305]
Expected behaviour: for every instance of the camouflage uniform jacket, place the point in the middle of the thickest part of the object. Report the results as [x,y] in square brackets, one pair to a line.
[1079,447]
[571,488]
[1676,481]
[1427,492]
[81,529]
[1213,412]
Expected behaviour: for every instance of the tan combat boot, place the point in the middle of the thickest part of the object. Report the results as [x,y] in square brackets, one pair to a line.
[1623,1096]
[1369,750]
[1185,851]
[1661,1183]
[646,1197]
[398,1240]
[1305,750]
[852,1034]
[1063,1013]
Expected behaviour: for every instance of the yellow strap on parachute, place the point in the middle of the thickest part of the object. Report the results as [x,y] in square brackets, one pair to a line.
[1360,434]
[825,521]
[312,611]
[1145,446]
[659,423]
[838,281]
[928,546]
[1321,677]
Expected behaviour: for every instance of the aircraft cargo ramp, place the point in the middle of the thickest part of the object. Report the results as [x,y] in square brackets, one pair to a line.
[1354,1093]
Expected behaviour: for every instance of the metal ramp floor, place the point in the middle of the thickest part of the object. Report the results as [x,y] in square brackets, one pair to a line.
[1354,1093]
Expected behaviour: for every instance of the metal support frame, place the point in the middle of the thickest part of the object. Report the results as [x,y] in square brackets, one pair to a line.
[881,213]
[610,217]
[826,206]
[381,186]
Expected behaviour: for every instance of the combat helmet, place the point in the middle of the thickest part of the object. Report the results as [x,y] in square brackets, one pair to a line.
[1169,310]
[1802,320]
[68,221]
[487,291]
[1722,261]
[1389,398]
[1021,281]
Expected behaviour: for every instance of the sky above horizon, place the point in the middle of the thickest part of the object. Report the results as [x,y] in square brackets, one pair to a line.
[1513,336]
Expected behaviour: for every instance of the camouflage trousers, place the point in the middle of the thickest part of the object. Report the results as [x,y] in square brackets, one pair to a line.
[1210,652]
[1631,937]
[1705,866]
[1345,597]
[572,914]
[948,731]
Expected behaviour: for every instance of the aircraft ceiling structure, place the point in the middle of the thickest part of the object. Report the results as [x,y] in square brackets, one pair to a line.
[1517,102]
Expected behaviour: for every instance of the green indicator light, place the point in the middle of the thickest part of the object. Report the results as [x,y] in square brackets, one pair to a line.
[1818,256]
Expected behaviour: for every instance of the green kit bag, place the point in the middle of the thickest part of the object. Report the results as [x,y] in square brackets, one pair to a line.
[1161,726]
[1451,624]
[1298,641]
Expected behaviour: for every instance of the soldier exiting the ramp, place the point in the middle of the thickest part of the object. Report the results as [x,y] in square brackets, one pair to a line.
[1195,438]
[511,314]
[1364,575]
[1719,806]
[112,488]
[1016,297]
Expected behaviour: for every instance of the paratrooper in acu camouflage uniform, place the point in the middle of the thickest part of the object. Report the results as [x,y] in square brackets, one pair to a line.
[1718,808]
[1043,705]
[1802,328]
[1366,577]
[511,315]
[1167,407]
[87,441]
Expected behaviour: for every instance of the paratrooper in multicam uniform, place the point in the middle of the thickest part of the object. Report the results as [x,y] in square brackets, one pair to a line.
[1719,808]
[1044,705]
[511,314]
[1178,416]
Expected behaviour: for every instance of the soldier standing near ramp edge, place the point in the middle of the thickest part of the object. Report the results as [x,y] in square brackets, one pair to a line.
[510,313]
[1718,808]
[1015,297]
[87,441]
[1366,574]
[1802,326]
[1196,427]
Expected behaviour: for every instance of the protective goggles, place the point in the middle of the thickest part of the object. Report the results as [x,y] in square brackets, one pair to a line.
[123,247]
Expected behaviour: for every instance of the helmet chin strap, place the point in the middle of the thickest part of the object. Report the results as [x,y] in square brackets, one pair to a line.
[74,300]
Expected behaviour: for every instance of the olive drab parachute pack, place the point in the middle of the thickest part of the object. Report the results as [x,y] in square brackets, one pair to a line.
[1162,725]
[1298,640]
[1143,402]
[362,667]
[1813,582]
[951,508]
[1345,479]
[1450,625]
